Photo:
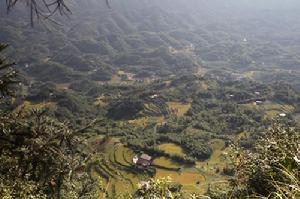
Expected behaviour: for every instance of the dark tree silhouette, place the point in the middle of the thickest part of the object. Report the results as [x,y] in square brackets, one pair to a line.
[43,9]
[7,74]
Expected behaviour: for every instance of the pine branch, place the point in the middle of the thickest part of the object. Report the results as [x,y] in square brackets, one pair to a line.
[44,9]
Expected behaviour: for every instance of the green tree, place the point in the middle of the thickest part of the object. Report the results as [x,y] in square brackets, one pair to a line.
[7,74]
[40,157]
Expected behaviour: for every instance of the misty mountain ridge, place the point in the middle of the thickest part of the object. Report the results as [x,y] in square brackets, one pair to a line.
[242,36]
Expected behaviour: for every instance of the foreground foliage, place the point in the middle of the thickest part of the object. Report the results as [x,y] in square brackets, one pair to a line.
[163,188]
[39,157]
[272,170]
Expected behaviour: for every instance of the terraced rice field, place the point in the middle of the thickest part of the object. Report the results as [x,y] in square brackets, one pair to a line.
[143,121]
[182,108]
[218,147]
[191,179]
[116,170]
[195,179]
[185,177]
[218,157]
[139,122]
[171,148]
[118,174]
[217,161]
[272,109]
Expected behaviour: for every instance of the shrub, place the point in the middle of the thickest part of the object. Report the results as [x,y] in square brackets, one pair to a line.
[272,169]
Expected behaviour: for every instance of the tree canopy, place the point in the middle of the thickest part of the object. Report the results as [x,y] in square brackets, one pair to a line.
[7,74]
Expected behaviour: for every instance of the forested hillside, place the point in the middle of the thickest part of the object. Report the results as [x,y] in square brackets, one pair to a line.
[207,91]
[150,39]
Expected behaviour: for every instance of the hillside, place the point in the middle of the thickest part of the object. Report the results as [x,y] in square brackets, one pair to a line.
[97,42]
[198,86]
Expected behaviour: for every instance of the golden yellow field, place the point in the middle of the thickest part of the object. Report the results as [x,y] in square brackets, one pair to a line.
[139,122]
[171,148]
[27,106]
[143,121]
[184,178]
[166,162]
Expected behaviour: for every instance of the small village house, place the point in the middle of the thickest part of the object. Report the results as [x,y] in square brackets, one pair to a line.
[154,96]
[282,114]
[143,160]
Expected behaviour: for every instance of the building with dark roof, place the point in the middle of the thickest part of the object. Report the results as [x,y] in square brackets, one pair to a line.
[143,160]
